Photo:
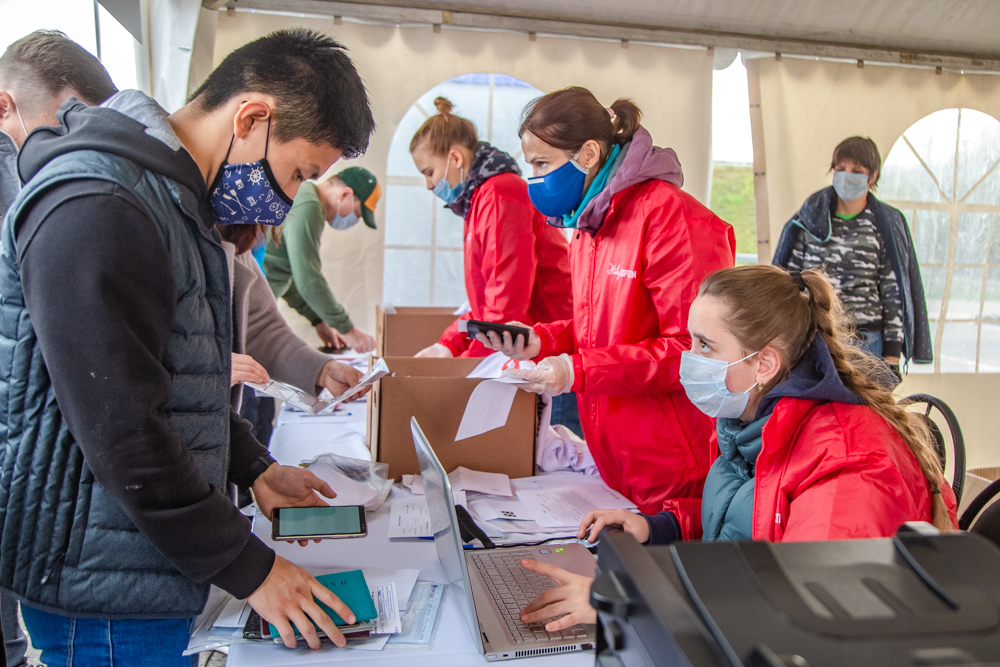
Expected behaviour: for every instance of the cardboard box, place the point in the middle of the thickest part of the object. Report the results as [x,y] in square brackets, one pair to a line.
[436,391]
[409,330]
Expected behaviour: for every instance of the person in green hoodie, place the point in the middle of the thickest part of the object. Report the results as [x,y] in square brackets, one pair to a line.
[292,263]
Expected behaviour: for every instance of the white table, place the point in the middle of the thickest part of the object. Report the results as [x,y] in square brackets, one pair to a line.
[295,440]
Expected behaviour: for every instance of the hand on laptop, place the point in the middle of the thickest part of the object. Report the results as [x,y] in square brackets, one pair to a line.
[286,597]
[630,522]
[289,486]
[570,600]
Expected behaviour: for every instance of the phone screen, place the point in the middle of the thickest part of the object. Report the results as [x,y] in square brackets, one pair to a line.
[295,521]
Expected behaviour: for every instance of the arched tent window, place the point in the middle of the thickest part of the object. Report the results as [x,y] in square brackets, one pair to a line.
[423,240]
[943,174]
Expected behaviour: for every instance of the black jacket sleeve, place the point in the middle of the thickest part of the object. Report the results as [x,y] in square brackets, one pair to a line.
[99,288]
[247,457]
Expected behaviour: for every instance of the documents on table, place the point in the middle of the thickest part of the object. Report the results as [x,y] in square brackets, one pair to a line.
[512,511]
[409,517]
[463,479]
[384,598]
[225,620]
[488,408]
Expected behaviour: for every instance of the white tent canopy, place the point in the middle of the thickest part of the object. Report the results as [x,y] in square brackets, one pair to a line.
[958,34]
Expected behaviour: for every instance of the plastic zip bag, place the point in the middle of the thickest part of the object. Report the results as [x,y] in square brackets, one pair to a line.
[356,482]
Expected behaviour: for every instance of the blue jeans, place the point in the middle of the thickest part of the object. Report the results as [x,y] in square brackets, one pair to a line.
[566,412]
[93,642]
[871,342]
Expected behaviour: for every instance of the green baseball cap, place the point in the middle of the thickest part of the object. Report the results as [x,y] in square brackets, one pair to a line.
[366,188]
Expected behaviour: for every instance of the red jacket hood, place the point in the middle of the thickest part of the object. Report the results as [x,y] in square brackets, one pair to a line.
[638,162]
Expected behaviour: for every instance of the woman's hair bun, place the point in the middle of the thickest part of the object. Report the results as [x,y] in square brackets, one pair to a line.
[443,105]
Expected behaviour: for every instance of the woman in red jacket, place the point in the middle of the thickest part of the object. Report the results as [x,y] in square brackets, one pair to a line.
[811,445]
[641,248]
[516,266]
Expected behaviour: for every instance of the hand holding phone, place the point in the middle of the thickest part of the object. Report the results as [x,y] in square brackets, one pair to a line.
[291,524]
[476,327]
[516,340]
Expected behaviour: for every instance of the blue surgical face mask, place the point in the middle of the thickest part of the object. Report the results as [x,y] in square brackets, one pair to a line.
[445,192]
[247,194]
[342,222]
[850,187]
[704,381]
[560,191]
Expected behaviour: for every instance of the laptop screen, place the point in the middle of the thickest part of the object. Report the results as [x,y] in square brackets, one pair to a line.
[444,523]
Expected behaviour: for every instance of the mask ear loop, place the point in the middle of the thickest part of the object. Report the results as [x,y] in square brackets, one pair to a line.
[267,137]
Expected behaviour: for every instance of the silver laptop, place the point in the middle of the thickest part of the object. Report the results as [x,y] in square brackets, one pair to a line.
[493,586]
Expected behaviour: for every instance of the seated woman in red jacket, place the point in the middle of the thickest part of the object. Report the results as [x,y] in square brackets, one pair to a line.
[811,446]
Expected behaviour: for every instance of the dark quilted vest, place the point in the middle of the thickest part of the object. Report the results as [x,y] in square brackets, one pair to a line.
[65,543]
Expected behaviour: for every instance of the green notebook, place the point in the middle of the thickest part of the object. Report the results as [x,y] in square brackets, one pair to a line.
[352,589]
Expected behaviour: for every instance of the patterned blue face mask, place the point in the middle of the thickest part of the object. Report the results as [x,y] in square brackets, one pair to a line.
[246,193]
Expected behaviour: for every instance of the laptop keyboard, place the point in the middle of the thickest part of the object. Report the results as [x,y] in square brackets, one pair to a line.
[512,588]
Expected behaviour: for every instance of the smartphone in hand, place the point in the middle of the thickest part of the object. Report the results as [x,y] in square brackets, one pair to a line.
[290,524]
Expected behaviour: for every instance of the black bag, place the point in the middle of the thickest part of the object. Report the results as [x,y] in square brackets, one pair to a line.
[912,600]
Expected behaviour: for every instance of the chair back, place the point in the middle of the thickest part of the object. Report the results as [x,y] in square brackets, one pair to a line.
[957,439]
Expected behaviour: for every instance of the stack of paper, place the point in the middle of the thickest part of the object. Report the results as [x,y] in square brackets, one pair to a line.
[389,592]
[547,505]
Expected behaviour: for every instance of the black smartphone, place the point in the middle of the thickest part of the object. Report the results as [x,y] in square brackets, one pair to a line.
[478,326]
[289,524]
[326,349]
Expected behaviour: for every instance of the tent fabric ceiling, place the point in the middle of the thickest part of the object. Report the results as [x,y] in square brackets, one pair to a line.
[955,34]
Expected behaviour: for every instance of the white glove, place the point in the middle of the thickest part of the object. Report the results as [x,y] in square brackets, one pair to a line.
[437,350]
[554,376]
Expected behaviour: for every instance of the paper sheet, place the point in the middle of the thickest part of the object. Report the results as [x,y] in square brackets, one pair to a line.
[487,409]
[387,605]
[373,643]
[493,483]
[409,517]
[556,507]
[231,615]
[490,508]
[404,580]
[414,483]
[604,498]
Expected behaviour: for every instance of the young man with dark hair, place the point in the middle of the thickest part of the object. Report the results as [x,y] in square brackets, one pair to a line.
[38,73]
[115,360]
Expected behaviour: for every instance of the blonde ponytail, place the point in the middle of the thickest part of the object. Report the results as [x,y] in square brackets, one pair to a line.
[769,306]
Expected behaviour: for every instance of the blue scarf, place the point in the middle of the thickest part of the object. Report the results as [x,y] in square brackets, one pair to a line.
[727,502]
[598,184]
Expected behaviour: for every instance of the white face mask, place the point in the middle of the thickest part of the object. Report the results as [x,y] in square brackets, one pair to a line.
[704,382]
[17,110]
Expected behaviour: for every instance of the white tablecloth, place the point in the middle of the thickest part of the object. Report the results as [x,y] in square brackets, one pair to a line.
[297,439]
